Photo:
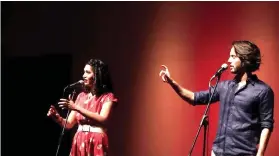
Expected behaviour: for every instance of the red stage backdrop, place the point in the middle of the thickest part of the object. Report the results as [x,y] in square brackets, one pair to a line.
[193,39]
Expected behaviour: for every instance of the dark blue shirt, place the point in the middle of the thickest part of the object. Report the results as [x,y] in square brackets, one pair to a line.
[242,116]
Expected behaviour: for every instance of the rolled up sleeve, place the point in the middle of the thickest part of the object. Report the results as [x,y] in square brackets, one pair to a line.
[202,97]
[266,108]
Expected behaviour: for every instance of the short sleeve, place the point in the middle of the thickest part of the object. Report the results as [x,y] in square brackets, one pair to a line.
[110,97]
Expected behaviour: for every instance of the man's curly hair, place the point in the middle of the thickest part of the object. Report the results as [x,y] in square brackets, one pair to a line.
[249,53]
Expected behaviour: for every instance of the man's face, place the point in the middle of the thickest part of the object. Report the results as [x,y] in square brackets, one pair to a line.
[235,62]
[88,76]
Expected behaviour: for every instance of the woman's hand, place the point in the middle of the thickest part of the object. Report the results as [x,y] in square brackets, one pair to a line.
[53,113]
[67,103]
[164,73]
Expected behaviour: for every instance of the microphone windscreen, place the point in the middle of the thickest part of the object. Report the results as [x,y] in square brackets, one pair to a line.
[225,66]
[81,81]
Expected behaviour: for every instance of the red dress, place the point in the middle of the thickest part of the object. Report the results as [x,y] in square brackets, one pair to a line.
[90,143]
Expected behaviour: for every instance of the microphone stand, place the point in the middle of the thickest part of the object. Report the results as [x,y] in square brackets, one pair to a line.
[204,121]
[64,126]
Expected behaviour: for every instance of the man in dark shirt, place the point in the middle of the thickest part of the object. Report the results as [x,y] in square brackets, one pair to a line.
[246,104]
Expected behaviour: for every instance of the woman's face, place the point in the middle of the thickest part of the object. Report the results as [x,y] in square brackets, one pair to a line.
[88,76]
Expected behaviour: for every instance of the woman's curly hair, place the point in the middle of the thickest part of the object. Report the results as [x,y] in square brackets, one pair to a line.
[102,79]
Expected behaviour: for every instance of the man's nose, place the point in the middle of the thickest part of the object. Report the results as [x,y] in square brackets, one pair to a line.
[229,60]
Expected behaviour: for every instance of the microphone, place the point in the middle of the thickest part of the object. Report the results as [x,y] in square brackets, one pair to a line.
[220,71]
[80,82]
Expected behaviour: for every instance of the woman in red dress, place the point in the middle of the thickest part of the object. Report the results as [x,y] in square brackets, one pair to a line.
[90,111]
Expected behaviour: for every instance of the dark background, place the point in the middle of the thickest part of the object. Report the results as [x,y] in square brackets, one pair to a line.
[44,47]
[30,85]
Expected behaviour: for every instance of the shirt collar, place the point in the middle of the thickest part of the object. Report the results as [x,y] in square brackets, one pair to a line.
[252,78]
